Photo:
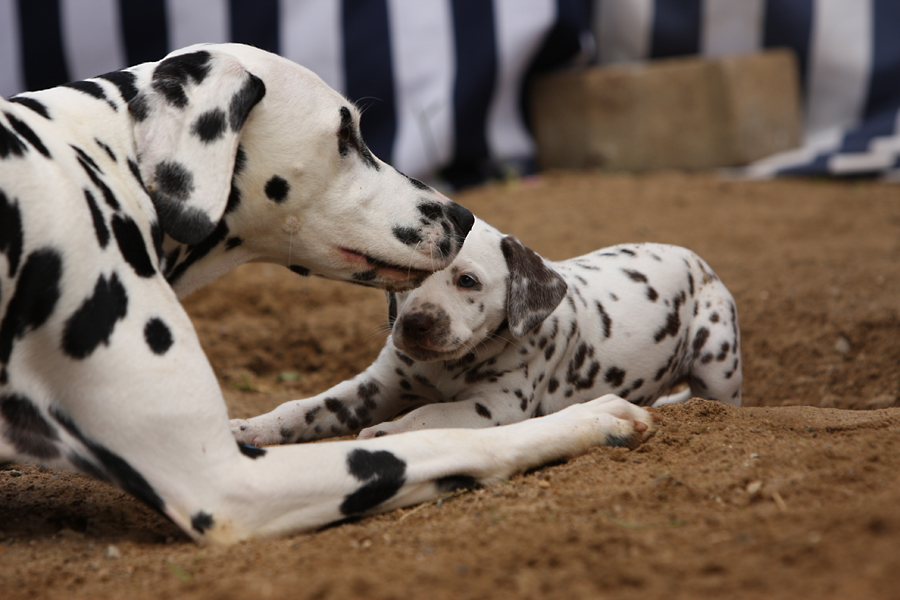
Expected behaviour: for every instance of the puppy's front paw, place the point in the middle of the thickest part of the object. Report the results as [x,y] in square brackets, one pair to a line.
[630,424]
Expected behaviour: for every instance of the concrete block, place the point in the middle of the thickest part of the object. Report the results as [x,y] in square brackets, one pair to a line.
[689,113]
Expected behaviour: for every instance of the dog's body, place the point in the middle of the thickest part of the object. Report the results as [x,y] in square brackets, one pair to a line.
[502,335]
[121,194]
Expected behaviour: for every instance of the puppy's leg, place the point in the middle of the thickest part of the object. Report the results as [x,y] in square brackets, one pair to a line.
[716,370]
[492,407]
[373,396]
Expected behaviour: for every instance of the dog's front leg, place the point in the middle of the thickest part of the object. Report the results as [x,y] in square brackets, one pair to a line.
[297,487]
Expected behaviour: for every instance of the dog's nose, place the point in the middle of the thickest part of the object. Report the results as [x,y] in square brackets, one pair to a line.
[416,326]
[461,218]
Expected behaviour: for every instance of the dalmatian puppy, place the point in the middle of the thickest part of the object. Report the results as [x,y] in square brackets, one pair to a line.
[123,193]
[503,335]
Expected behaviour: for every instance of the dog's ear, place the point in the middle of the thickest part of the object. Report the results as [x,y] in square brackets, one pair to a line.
[534,290]
[187,124]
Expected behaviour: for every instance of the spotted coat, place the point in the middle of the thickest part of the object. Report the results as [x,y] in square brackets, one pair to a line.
[503,335]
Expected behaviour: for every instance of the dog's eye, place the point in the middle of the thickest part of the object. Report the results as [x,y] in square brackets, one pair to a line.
[466,281]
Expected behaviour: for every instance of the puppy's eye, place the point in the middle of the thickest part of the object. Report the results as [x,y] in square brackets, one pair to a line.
[466,281]
[346,135]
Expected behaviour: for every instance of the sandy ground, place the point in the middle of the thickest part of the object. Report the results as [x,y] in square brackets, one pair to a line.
[793,496]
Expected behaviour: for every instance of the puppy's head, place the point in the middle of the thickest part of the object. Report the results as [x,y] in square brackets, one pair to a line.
[494,286]
[237,140]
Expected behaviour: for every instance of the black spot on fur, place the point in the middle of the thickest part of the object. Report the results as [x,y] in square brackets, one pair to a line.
[196,252]
[99,224]
[418,184]
[431,210]
[91,89]
[33,104]
[28,133]
[338,408]
[383,475]
[10,144]
[635,275]
[573,374]
[11,233]
[157,234]
[90,167]
[93,322]
[407,235]
[233,243]
[672,326]
[35,296]
[482,410]
[125,81]
[651,294]
[132,245]
[552,385]
[174,180]
[251,451]
[107,149]
[405,359]
[277,189]
[136,172]
[139,108]
[244,100]
[201,521]
[614,376]
[723,352]
[158,336]
[115,468]
[310,415]
[26,429]
[605,319]
[210,126]
[172,74]
[700,339]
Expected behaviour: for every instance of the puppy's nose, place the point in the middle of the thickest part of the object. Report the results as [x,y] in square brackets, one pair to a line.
[416,326]
[461,218]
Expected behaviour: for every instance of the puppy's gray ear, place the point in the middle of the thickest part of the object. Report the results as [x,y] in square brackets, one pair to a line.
[534,290]
[187,124]
[392,308]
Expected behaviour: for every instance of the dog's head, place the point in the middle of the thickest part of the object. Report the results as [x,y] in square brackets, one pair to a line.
[494,286]
[243,148]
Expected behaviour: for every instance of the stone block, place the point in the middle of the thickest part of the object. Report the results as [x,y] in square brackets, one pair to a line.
[689,113]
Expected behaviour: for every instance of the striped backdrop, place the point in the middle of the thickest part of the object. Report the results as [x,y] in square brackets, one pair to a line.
[441,81]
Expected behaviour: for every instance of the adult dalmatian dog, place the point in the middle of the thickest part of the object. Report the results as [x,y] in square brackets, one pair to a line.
[502,335]
[123,193]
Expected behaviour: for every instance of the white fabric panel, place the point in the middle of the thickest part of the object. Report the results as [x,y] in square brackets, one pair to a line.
[11,79]
[730,27]
[91,37]
[517,24]
[623,29]
[423,54]
[839,64]
[197,21]
[311,35]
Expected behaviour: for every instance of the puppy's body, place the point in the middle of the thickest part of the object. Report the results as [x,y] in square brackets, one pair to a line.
[502,335]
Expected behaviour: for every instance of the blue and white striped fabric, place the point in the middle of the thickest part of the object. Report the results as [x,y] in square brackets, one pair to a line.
[848,53]
[442,81]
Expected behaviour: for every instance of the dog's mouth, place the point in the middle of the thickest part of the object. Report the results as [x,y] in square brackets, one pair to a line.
[371,268]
